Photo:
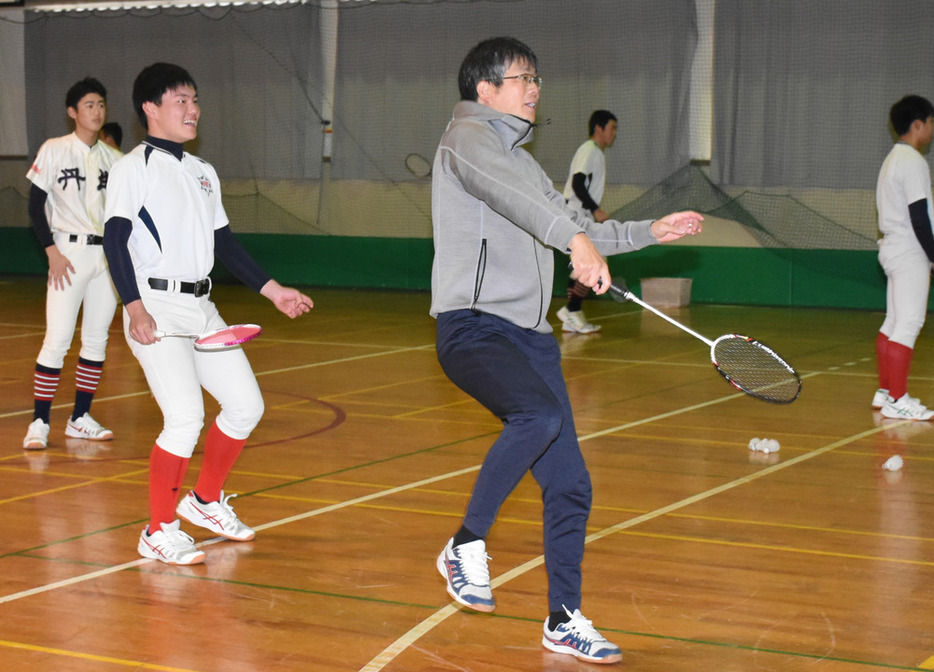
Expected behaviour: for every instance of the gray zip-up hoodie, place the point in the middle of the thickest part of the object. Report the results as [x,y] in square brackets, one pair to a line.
[495,214]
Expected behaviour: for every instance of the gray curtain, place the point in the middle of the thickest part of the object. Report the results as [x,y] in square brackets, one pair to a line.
[397,80]
[258,72]
[803,88]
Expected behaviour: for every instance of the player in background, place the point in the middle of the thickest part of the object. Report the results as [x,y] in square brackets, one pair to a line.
[906,251]
[112,134]
[497,218]
[584,191]
[66,207]
[166,224]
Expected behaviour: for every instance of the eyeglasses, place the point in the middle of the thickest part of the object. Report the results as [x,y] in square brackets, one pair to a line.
[528,80]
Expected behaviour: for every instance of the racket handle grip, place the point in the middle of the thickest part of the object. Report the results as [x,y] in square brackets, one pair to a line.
[620,291]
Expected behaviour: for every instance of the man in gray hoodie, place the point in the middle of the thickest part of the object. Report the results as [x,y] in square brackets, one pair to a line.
[496,217]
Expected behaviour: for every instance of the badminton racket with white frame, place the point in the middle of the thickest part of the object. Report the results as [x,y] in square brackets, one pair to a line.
[747,364]
[227,337]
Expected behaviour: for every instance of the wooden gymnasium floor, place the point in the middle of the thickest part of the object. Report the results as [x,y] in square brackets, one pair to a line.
[702,556]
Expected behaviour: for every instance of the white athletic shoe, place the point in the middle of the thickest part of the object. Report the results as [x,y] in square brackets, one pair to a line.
[580,639]
[169,545]
[575,322]
[88,428]
[906,408]
[219,517]
[37,435]
[879,398]
[465,570]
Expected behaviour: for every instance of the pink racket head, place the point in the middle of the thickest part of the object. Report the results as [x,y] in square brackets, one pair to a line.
[228,337]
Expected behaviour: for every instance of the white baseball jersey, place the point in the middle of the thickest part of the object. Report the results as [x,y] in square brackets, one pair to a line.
[173,237]
[589,160]
[75,177]
[904,178]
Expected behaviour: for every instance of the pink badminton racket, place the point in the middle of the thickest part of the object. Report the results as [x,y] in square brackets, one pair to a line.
[218,339]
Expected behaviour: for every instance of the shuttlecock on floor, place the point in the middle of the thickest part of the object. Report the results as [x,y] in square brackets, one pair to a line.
[894,463]
[764,445]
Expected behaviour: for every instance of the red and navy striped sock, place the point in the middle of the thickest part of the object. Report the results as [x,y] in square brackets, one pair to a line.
[87,378]
[45,383]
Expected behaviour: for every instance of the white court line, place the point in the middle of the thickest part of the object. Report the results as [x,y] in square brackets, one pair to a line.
[277,523]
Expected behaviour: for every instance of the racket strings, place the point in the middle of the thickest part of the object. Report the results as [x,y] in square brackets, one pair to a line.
[755,369]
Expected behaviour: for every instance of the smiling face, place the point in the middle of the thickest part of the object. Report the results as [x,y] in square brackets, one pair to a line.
[176,117]
[514,96]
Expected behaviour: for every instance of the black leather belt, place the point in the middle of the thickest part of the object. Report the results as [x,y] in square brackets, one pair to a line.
[89,238]
[200,288]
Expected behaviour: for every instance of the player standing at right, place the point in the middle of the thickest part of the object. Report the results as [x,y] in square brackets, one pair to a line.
[906,251]
[584,191]
[66,207]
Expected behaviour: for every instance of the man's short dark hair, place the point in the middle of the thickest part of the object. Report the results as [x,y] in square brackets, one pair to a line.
[599,118]
[152,83]
[113,129]
[80,89]
[906,111]
[488,62]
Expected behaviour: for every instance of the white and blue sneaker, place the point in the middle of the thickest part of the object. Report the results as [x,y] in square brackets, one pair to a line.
[465,570]
[580,639]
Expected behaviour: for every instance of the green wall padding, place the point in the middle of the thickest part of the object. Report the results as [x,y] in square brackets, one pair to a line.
[730,275]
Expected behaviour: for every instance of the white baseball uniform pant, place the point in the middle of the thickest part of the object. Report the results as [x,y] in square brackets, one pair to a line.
[909,281]
[92,288]
[176,372]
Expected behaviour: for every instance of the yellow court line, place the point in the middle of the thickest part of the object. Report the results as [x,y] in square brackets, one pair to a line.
[270,372]
[927,664]
[87,656]
[84,483]
[780,549]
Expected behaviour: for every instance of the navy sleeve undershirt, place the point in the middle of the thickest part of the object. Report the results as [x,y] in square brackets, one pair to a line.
[117,232]
[921,223]
[40,223]
[237,260]
[579,184]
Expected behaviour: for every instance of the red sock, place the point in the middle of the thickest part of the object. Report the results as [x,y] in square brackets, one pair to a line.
[882,344]
[166,473]
[898,361]
[220,454]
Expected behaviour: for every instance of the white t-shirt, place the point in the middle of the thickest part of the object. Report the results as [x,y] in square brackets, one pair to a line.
[174,207]
[589,160]
[75,177]
[904,178]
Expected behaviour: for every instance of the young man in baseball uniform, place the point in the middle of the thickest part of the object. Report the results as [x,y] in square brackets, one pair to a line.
[584,191]
[906,252]
[165,226]
[66,206]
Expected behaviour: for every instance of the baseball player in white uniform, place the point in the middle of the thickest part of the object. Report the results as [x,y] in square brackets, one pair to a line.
[584,191]
[165,224]
[906,251]
[66,207]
